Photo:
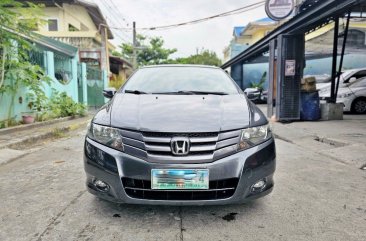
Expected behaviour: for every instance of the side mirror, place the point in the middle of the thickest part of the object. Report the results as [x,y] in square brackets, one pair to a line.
[353,79]
[109,92]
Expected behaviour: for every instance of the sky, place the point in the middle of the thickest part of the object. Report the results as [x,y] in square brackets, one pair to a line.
[214,35]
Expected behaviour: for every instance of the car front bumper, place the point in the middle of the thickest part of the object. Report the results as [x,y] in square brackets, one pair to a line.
[247,166]
[347,103]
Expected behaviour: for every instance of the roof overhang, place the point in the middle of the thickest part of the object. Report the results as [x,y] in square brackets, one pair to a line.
[48,43]
[314,16]
[120,60]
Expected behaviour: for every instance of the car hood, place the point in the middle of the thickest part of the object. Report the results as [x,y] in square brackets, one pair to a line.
[326,92]
[179,113]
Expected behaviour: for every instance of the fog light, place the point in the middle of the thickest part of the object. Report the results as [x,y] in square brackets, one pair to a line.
[259,186]
[101,186]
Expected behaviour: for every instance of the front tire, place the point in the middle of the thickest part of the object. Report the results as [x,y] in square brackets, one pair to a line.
[359,106]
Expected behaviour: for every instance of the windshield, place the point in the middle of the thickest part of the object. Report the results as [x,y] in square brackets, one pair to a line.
[180,79]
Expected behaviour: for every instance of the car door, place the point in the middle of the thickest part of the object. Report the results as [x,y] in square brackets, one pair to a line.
[359,88]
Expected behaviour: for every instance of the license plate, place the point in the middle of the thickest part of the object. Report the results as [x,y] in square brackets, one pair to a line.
[179,179]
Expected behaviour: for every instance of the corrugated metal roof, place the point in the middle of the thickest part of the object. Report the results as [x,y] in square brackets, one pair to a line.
[47,42]
[316,15]
[54,44]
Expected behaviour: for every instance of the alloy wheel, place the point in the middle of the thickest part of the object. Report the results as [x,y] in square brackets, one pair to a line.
[360,106]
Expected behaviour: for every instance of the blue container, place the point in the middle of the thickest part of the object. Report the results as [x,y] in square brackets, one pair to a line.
[310,106]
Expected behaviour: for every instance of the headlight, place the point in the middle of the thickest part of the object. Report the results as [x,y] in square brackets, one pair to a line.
[107,136]
[254,136]
[344,95]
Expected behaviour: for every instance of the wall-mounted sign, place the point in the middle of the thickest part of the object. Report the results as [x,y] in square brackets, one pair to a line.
[279,9]
[290,66]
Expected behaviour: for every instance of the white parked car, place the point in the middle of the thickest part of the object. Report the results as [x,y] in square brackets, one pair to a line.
[352,95]
[347,77]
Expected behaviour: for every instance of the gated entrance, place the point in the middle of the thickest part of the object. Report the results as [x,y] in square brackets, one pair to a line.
[95,87]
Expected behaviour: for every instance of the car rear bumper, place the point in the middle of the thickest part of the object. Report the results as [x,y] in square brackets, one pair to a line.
[247,167]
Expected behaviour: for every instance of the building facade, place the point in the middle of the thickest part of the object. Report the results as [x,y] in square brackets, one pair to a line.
[245,36]
[81,24]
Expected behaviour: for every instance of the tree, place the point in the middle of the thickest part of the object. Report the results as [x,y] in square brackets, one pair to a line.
[150,51]
[204,57]
[17,21]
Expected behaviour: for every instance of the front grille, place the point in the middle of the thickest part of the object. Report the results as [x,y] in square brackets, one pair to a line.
[141,189]
[156,146]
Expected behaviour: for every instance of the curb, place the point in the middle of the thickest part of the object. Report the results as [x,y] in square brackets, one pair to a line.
[51,133]
[10,130]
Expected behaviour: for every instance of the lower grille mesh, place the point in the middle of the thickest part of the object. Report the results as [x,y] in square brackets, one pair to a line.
[141,189]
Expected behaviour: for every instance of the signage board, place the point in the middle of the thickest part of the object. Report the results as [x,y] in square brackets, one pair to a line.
[279,9]
[290,66]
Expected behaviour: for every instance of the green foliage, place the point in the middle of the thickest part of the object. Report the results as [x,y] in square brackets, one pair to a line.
[62,105]
[260,84]
[17,21]
[151,51]
[24,74]
[204,57]
[116,82]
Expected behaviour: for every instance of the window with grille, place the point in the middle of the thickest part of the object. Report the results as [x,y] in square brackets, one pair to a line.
[52,25]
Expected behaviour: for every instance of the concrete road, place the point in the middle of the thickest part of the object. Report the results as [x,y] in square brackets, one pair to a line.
[43,197]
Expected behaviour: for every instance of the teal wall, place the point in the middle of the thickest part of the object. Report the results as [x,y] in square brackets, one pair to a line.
[71,66]
[71,88]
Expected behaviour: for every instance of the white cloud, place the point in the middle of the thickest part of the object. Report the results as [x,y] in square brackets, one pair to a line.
[214,34]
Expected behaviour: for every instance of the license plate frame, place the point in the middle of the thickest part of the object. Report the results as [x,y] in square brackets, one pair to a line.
[180,179]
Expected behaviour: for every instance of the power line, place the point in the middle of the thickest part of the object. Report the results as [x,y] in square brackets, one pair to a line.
[117,9]
[224,14]
[122,35]
[112,16]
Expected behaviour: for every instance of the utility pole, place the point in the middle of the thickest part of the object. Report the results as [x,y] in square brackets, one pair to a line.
[106,50]
[134,57]
[104,47]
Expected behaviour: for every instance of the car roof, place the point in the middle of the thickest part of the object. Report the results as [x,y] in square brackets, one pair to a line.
[180,65]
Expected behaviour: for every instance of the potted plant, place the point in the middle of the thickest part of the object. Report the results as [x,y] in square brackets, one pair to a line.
[28,117]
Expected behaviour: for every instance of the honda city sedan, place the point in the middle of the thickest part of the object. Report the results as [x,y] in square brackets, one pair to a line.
[179,135]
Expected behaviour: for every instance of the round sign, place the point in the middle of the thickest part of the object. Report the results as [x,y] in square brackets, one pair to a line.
[279,9]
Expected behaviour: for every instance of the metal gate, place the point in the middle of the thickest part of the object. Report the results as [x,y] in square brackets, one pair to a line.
[95,87]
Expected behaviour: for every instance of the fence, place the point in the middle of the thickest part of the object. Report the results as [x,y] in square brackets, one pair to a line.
[95,86]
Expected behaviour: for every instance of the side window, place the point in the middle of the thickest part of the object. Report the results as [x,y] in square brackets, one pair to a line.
[360,74]
[52,25]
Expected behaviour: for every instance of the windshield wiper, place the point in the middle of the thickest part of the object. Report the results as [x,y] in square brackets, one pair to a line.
[204,92]
[136,92]
[191,92]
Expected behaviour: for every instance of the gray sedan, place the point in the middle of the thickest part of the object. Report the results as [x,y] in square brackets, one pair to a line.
[179,135]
